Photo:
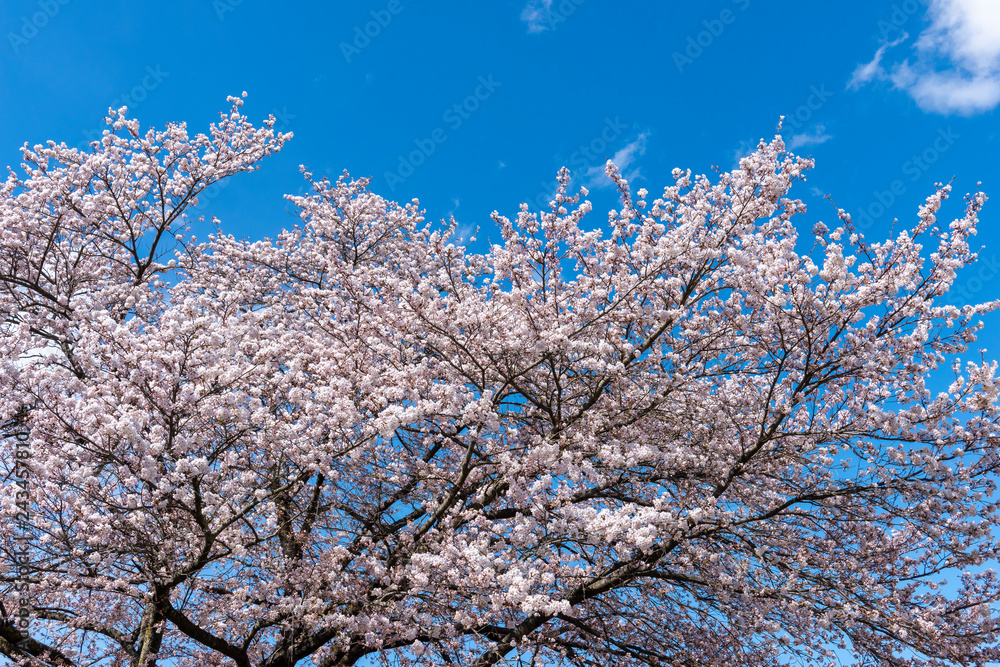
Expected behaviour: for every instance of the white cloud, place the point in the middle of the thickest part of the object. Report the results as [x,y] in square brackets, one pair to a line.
[623,159]
[968,31]
[465,232]
[817,136]
[949,92]
[536,15]
[865,72]
[957,60]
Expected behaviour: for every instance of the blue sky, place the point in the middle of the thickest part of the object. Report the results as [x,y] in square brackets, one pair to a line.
[474,106]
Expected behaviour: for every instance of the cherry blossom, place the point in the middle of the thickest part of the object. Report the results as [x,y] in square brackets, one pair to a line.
[693,436]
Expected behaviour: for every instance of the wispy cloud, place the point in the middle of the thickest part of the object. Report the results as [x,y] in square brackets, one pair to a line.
[866,72]
[465,232]
[623,158]
[949,92]
[957,60]
[817,136]
[536,15]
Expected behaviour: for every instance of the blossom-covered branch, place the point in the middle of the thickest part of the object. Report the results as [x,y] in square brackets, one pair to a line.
[685,438]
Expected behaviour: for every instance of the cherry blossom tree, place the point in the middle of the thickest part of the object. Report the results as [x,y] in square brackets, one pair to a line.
[693,436]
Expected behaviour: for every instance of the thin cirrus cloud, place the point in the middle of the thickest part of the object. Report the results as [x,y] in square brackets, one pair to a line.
[869,71]
[817,136]
[536,15]
[956,65]
[624,158]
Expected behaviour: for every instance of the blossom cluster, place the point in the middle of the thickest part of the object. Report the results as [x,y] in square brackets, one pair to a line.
[687,437]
